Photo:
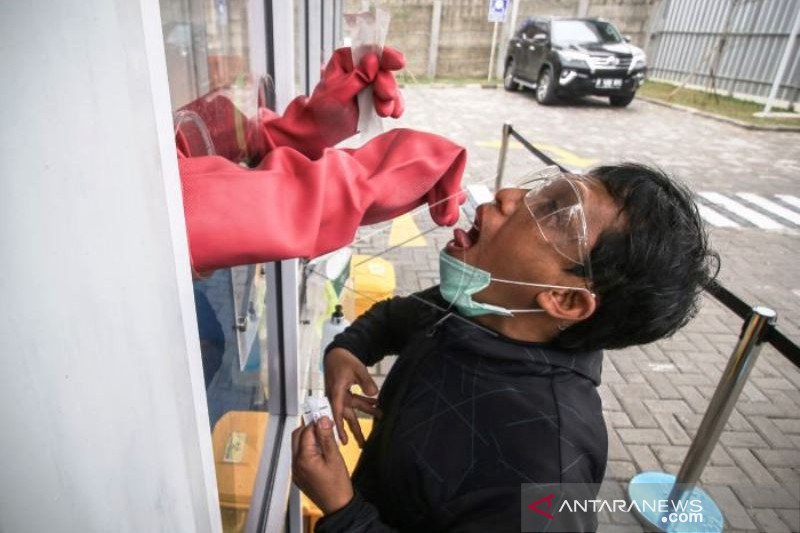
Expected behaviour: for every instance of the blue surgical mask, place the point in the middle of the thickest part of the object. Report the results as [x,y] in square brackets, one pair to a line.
[459,281]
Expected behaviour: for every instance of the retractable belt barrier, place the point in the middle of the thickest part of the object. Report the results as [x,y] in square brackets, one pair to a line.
[758,328]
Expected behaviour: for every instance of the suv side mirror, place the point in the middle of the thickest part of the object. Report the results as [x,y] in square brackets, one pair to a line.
[540,39]
[626,38]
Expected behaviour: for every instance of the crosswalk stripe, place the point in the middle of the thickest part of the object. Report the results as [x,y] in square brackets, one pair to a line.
[742,211]
[771,206]
[794,201]
[714,218]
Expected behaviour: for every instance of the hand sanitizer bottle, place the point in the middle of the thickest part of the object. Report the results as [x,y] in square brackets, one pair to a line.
[330,329]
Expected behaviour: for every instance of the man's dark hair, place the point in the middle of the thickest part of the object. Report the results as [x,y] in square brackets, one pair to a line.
[649,270]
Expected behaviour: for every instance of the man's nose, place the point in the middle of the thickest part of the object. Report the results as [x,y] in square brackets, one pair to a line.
[507,200]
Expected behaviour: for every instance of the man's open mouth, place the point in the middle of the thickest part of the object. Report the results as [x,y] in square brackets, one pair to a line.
[464,240]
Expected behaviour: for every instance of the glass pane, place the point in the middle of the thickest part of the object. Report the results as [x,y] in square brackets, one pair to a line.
[214,90]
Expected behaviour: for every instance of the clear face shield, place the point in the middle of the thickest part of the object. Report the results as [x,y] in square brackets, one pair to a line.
[555,203]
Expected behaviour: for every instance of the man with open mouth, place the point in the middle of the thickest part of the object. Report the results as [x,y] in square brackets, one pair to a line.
[496,380]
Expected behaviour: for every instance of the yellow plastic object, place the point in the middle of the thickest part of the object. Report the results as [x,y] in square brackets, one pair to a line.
[238,440]
[351,452]
[406,233]
[372,280]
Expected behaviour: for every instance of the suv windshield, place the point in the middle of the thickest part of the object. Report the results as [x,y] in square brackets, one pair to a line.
[567,32]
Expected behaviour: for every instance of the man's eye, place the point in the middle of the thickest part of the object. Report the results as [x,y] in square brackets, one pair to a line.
[545,208]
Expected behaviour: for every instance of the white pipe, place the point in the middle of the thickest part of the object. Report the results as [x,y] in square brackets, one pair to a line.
[491,55]
[782,67]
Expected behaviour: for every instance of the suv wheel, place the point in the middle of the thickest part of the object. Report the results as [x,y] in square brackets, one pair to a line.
[621,100]
[546,88]
[508,78]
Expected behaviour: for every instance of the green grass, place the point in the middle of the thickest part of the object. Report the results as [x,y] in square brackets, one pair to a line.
[404,77]
[726,106]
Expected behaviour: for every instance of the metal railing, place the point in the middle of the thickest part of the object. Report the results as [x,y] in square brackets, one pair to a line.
[759,328]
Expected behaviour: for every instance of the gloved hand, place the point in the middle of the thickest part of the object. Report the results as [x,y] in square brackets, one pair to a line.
[234,136]
[330,115]
[308,125]
[292,206]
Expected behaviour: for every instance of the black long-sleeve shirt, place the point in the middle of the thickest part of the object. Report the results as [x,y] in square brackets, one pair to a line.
[469,416]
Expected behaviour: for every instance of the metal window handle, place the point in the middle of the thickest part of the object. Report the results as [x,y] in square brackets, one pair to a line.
[241,323]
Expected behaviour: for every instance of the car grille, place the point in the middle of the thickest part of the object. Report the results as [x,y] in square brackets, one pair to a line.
[609,63]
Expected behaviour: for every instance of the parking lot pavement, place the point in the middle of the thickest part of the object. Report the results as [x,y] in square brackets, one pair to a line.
[655,395]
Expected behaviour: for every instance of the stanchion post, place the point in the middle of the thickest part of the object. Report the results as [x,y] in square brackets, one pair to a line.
[725,395]
[501,161]
[649,486]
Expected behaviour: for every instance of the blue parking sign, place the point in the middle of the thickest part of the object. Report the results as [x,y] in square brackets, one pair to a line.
[497,10]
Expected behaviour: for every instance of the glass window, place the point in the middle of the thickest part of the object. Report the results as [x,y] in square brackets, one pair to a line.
[567,32]
[215,83]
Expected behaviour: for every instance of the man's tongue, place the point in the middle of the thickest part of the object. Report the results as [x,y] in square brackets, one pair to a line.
[461,239]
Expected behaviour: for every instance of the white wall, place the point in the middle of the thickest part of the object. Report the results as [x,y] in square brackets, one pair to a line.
[102,408]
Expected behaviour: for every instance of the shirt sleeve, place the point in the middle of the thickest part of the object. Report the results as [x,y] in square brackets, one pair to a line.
[358,516]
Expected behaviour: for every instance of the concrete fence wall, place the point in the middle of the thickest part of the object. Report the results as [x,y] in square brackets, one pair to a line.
[464,40]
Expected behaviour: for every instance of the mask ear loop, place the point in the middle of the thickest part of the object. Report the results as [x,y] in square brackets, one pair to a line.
[543,285]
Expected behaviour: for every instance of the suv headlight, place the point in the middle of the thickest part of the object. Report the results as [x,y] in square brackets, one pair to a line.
[638,61]
[573,59]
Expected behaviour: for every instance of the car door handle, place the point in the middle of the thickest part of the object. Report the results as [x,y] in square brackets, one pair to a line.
[531,48]
[518,45]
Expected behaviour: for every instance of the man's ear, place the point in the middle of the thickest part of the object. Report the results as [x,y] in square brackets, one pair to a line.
[572,305]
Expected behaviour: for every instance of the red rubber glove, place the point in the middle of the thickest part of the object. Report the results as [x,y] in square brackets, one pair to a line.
[292,206]
[234,136]
[330,115]
[308,125]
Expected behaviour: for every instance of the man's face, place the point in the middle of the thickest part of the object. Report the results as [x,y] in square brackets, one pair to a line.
[507,242]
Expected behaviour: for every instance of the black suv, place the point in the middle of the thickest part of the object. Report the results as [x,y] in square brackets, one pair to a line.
[571,56]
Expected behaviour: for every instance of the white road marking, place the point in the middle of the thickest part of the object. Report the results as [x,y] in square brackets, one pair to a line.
[794,201]
[772,207]
[714,218]
[661,367]
[742,211]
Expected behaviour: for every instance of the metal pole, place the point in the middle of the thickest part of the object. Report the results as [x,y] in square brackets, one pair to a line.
[727,392]
[782,67]
[501,161]
[660,486]
[433,45]
[506,32]
[491,54]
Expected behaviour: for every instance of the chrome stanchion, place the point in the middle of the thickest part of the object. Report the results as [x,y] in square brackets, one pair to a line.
[690,508]
[501,162]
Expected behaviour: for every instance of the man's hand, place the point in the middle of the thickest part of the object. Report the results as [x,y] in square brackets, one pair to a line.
[318,467]
[342,371]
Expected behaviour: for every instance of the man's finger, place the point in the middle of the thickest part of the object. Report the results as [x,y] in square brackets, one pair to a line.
[365,405]
[355,427]
[367,383]
[324,436]
[337,408]
[308,446]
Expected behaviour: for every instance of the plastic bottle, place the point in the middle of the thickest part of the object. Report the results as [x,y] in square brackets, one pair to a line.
[330,329]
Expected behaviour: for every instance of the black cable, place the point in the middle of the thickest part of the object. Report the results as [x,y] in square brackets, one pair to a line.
[535,151]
